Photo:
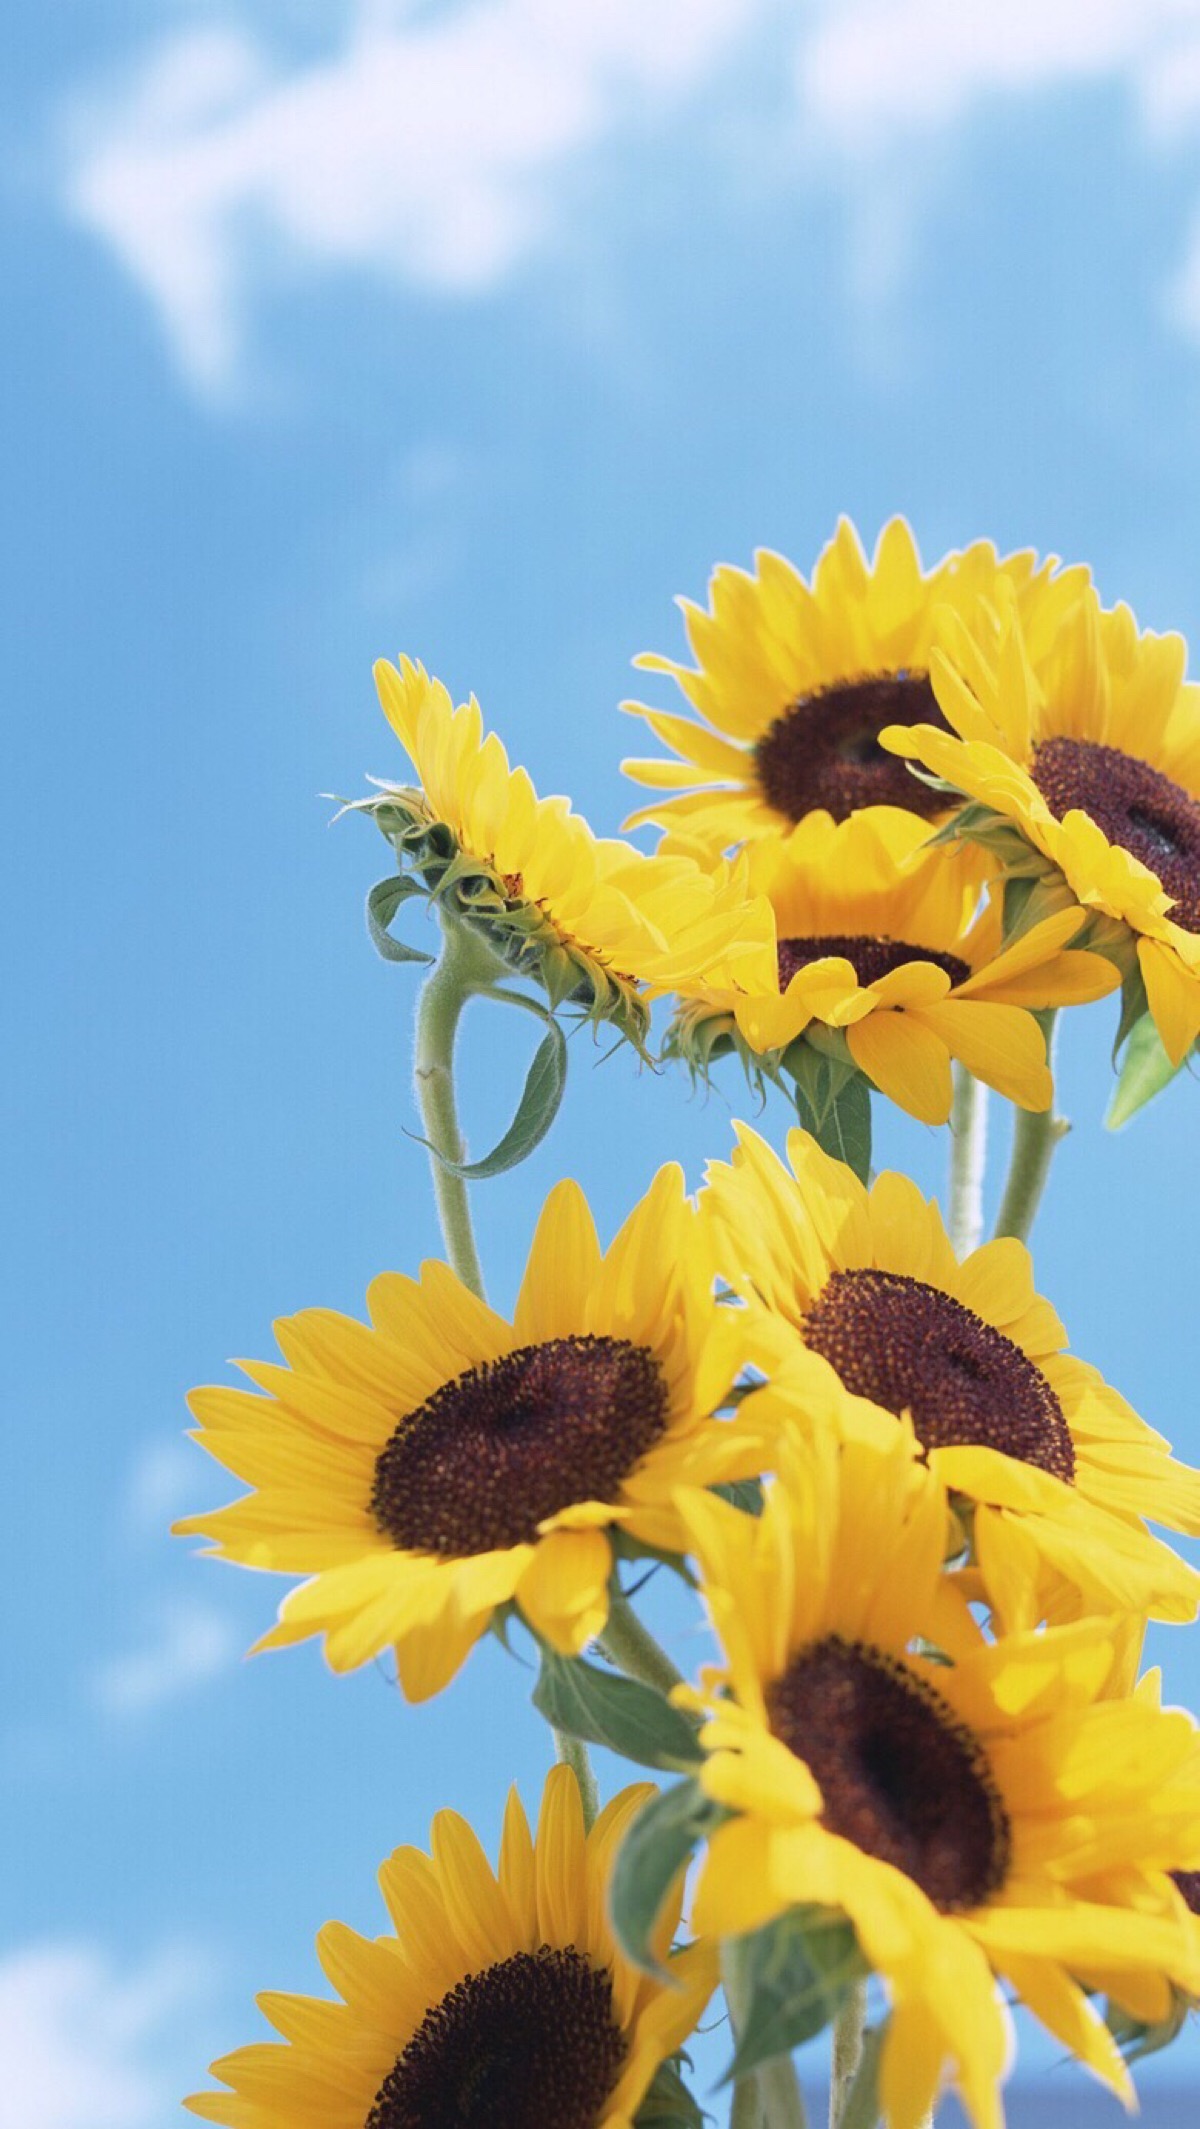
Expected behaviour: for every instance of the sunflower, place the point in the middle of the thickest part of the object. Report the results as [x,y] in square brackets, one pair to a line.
[792,684]
[499,1998]
[589,919]
[1054,1470]
[1080,755]
[975,1809]
[440,1463]
[878,936]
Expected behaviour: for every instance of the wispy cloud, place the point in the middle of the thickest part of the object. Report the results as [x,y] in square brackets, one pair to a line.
[80,2039]
[885,86]
[189,1644]
[441,148]
[161,1483]
[429,149]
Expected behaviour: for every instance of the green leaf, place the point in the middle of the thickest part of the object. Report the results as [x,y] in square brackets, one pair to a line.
[1145,1071]
[540,1100]
[385,898]
[653,1852]
[604,1708]
[668,2103]
[793,1977]
[836,1107]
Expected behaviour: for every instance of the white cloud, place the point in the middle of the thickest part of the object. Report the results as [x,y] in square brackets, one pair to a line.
[430,150]
[875,69]
[190,1644]
[437,147]
[79,2038]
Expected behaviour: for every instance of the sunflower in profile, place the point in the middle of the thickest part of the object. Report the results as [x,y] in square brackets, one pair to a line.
[1079,756]
[590,920]
[499,1998]
[793,683]
[433,1466]
[882,939]
[976,1809]
[1053,1469]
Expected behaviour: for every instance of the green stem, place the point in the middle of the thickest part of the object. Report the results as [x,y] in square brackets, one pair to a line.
[1035,1138]
[968,1159]
[847,2051]
[745,2112]
[465,968]
[446,991]
[634,1650]
[860,2107]
[573,1753]
[769,2097]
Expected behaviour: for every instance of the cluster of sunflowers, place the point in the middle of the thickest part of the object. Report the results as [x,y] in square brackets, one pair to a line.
[922,1780]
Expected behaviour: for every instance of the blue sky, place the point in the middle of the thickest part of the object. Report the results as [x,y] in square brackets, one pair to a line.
[477,333]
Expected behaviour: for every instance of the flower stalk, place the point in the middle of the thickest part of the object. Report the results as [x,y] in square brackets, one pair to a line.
[1036,1137]
[968,1160]
[457,977]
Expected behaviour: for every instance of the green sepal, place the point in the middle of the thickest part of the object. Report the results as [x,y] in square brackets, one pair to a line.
[515,930]
[1134,1006]
[656,1848]
[1136,2040]
[541,1099]
[668,2103]
[626,1547]
[792,1978]
[385,898]
[744,1493]
[1145,1071]
[604,1708]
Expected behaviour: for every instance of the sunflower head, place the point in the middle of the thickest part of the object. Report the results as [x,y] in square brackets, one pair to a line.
[441,1464]
[875,1315]
[592,921]
[882,958]
[970,1807]
[1074,757]
[793,682]
[496,1997]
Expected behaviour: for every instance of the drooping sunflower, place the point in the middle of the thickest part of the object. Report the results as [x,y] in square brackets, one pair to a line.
[793,683]
[983,1814]
[1055,1470]
[431,1467]
[590,919]
[1080,756]
[882,938]
[499,1998]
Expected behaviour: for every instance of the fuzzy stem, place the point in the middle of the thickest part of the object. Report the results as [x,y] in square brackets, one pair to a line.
[769,2097]
[860,2105]
[634,1650]
[445,993]
[464,969]
[745,2112]
[847,2051]
[573,1753]
[968,1159]
[1035,1138]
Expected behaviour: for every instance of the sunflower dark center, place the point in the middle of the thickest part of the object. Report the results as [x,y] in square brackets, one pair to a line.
[479,1465]
[869,958]
[1188,1882]
[824,751]
[912,1348]
[1135,805]
[899,1774]
[531,2043]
